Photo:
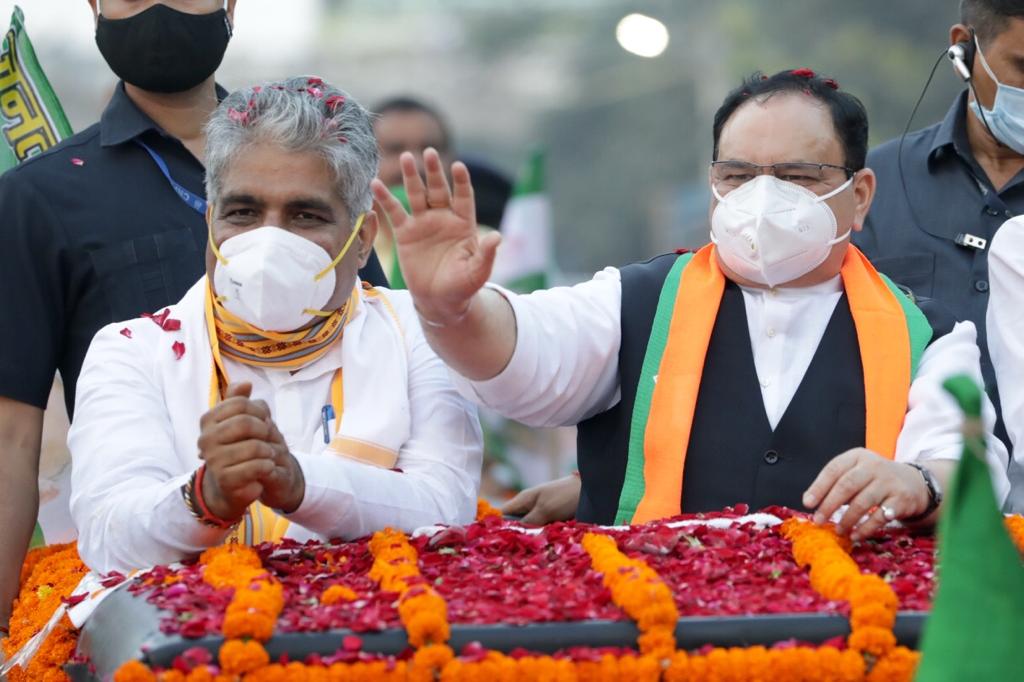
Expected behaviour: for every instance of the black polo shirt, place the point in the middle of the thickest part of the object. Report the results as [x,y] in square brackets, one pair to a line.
[951,195]
[92,233]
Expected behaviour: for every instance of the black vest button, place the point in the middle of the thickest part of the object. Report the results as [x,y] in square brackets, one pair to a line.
[771,457]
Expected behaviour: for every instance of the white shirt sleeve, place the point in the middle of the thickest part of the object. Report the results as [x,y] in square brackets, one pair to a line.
[565,365]
[1005,321]
[126,476]
[440,463]
[932,428]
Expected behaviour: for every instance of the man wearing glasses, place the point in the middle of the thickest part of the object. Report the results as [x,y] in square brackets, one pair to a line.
[774,366]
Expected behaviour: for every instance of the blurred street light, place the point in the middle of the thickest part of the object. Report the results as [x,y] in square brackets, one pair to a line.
[642,35]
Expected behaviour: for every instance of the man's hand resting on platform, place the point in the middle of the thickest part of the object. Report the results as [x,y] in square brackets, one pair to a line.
[546,503]
[246,457]
[870,484]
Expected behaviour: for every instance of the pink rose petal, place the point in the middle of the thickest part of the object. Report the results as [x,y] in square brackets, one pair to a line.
[126,332]
[77,161]
[334,101]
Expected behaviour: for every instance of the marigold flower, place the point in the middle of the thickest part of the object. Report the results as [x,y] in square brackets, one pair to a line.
[134,671]
[873,640]
[171,676]
[899,665]
[336,594]
[1015,525]
[237,657]
[485,510]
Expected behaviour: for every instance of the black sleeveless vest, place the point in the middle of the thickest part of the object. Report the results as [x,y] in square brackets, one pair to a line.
[733,455]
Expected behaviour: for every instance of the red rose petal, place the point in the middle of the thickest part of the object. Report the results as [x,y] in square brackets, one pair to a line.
[113,579]
[77,161]
[75,599]
[126,332]
[179,350]
[351,643]
[159,318]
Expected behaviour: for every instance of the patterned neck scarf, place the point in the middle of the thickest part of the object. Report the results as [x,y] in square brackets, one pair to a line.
[240,341]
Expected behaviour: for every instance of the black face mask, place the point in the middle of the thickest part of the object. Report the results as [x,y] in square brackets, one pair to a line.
[164,50]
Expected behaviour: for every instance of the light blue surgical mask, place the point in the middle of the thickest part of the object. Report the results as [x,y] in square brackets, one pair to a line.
[1005,120]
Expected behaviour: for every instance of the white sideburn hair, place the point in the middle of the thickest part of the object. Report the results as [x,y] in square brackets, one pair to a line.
[298,114]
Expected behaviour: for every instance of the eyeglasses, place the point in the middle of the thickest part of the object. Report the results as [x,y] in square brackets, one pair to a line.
[728,175]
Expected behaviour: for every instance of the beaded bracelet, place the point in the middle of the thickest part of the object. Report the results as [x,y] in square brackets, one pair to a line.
[192,493]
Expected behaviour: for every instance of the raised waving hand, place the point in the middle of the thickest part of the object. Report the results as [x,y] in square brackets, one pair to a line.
[445,261]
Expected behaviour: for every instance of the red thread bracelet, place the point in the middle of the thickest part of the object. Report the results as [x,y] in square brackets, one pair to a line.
[208,516]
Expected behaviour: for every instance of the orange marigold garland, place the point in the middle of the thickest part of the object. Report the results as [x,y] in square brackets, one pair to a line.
[873,604]
[421,609]
[258,598]
[638,590]
[54,573]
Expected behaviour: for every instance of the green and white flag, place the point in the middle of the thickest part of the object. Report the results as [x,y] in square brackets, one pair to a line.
[524,259]
[33,120]
[976,627]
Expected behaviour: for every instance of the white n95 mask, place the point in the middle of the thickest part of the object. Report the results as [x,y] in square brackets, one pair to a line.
[276,280]
[771,231]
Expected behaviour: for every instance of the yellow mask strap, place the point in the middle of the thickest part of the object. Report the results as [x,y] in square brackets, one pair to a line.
[209,236]
[320,275]
[355,233]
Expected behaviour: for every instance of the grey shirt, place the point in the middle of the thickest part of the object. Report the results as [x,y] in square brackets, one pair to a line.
[914,242]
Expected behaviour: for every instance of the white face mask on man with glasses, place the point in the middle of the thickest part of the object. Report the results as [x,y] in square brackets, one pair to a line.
[774,228]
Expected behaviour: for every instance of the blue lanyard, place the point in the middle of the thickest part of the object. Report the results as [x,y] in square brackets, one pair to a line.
[195,202]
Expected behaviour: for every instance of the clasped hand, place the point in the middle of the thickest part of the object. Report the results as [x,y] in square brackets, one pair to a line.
[246,458]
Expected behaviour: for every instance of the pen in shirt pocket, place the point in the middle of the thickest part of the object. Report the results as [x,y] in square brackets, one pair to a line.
[326,416]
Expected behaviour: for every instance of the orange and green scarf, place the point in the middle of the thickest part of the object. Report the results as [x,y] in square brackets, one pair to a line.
[891,331]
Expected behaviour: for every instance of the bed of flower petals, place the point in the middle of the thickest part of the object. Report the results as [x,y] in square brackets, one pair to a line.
[492,572]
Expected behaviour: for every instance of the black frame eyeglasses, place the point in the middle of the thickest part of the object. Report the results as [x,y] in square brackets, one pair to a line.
[732,174]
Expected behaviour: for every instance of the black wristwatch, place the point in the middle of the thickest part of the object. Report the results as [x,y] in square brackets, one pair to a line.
[934,494]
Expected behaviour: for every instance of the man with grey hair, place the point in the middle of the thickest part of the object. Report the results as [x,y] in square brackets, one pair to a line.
[318,408]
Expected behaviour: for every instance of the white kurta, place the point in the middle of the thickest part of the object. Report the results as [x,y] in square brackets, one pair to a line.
[1005,320]
[565,365]
[137,412]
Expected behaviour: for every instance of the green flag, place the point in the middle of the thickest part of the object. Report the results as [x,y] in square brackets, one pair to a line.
[394,269]
[33,120]
[524,258]
[976,628]
[31,116]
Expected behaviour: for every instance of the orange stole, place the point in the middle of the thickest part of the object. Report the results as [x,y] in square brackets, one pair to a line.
[885,350]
